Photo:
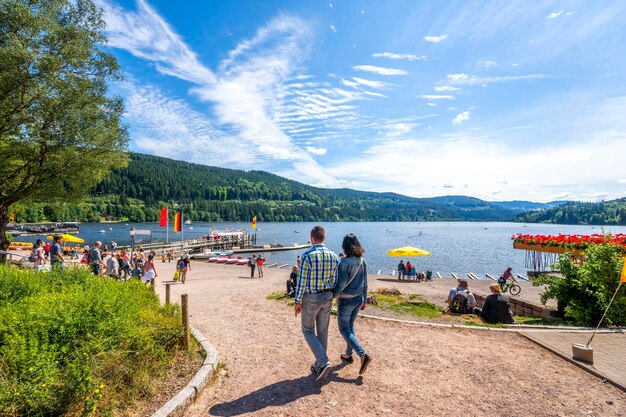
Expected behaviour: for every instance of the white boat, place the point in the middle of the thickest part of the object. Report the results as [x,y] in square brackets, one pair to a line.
[187,221]
[101,231]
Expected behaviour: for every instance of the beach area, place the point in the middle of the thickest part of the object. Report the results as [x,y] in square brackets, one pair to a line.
[416,370]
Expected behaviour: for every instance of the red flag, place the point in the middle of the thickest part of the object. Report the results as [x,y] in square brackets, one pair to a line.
[178,222]
[164,219]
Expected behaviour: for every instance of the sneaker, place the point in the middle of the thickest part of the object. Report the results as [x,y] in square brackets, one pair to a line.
[324,373]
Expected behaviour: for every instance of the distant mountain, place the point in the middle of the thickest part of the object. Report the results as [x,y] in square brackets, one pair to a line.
[520,206]
[602,213]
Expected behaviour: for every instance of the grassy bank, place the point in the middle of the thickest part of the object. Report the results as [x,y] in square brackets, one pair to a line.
[75,344]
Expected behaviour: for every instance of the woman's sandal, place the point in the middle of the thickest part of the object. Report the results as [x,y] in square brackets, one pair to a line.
[348,359]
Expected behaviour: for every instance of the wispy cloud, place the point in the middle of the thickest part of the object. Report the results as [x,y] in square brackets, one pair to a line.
[554,15]
[435,39]
[380,70]
[437,97]
[316,151]
[487,64]
[445,88]
[391,55]
[467,79]
[333,28]
[461,117]
[370,83]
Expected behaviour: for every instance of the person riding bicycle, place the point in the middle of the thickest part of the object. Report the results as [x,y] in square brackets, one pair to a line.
[506,276]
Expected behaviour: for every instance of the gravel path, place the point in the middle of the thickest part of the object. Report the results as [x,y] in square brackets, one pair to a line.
[416,371]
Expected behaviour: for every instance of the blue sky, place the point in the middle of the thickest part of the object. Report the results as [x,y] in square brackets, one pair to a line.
[498,100]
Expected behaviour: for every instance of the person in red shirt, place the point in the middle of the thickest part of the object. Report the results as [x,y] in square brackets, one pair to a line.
[259,265]
[46,250]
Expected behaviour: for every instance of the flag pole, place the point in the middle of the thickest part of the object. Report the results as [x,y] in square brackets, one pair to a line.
[182,227]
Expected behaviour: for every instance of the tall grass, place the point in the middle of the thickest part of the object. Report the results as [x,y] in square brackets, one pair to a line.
[75,344]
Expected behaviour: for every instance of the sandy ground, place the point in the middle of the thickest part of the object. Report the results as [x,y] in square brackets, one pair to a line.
[416,371]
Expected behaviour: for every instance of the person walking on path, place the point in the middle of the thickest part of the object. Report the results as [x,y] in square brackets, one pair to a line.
[259,265]
[314,297]
[95,258]
[149,272]
[40,259]
[56,253]
[351,290]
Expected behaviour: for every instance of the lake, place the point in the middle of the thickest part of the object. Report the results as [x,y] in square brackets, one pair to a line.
[458,247]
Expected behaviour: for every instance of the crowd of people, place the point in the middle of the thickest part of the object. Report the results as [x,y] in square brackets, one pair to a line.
[117,264]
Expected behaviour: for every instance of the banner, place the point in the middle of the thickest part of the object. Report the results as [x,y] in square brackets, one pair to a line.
[178,222]
[623,277]
[164,219]
[253,225]
[13,218]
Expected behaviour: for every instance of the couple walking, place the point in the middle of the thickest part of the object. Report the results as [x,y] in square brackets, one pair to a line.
[322,277]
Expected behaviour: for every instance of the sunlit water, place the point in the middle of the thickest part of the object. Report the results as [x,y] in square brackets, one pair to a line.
[455,247]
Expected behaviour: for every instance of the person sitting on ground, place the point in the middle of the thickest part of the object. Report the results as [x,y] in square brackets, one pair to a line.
[497,308]
[461,301]
[401,269]
[292,282]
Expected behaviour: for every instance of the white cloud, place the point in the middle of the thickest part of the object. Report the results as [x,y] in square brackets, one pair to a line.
[467,79]
[437,97]
[445,88]
[621,181]
[380,70]
[333,28]
[461,117]
[554,15]
[391,55]
[435,39]
[369,83]
[330,5]
[431,104]
[316,151]
[487,64]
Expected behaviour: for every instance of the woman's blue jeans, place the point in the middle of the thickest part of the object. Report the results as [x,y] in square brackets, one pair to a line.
[347,310]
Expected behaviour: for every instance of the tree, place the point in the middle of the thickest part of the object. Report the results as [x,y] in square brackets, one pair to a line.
[60,133]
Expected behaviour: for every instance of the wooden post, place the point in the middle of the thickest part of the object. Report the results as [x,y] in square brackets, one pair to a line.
[167,293]
[185,311]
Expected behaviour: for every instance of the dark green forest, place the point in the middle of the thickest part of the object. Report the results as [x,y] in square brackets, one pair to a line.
[149,183]
[602,213]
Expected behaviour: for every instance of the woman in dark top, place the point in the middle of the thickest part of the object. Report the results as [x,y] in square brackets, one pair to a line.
[497,308]
[351,290]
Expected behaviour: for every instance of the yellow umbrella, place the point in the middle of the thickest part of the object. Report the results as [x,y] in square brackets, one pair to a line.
[408,251]
[69,238]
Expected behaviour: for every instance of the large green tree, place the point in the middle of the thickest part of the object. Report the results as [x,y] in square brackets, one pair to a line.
[60,131]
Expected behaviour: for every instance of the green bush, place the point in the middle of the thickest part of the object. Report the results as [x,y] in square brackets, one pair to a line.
[75,344]
[587,286]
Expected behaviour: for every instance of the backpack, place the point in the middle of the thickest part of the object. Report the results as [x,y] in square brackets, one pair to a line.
[459,303]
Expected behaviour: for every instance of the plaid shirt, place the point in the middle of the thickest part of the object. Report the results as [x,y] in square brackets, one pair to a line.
[318,271]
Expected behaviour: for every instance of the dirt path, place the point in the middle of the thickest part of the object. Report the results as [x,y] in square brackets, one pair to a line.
[416,371]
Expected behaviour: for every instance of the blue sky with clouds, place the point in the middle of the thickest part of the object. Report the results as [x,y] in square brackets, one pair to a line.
[497,100]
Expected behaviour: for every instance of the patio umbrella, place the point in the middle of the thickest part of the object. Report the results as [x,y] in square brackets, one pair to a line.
[69,238]
[408,251]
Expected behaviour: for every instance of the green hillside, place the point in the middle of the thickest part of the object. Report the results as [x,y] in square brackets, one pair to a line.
[204,193]
[603,213]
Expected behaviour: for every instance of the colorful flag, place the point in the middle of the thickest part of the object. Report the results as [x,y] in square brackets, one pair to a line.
[623,277]
[178,222]
[13,218]
[164,219]
[253,225]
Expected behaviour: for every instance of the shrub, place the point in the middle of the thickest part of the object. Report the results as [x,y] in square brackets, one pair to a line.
[588,284]
[75,344]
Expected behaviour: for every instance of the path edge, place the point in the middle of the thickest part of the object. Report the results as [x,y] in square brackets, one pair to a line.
[198,383]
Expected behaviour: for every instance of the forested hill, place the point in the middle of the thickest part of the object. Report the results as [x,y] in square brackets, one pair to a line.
[208,193]
[603,213]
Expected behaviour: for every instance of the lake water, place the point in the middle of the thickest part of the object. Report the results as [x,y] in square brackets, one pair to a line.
[455,247]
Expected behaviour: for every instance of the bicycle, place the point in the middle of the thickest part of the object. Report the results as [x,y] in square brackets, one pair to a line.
[512,288]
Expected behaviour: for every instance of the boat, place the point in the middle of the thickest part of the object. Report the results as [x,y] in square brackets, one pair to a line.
[232,261]
[222,259]
[101,231]
[187,221]
[242,261]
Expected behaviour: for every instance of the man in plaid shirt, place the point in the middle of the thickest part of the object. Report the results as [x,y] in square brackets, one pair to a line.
[314,297]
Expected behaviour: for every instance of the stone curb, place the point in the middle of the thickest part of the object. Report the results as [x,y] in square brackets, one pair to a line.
[188,394]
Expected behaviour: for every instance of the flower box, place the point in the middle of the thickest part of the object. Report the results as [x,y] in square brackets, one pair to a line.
[545,248]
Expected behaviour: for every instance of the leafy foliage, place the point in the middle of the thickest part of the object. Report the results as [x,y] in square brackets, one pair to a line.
[605,212]
[72,343]
[59,131]
[588,284]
